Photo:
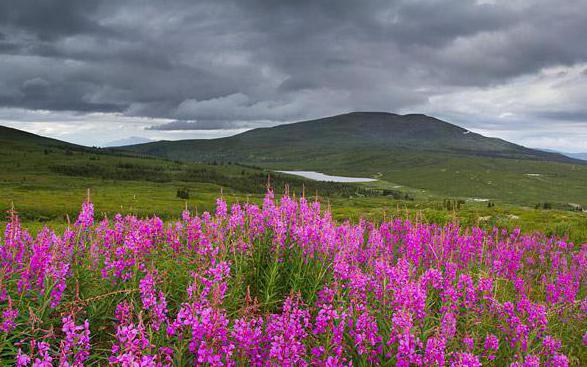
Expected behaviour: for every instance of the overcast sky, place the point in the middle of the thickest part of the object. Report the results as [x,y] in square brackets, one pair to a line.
[96,71]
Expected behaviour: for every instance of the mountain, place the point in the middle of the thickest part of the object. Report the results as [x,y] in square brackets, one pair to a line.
[14,137]
[352,132]
[131,140]
[582,156]
[413,151]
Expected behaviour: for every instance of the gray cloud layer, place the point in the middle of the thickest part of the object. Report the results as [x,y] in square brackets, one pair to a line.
[241,63]
[179,125]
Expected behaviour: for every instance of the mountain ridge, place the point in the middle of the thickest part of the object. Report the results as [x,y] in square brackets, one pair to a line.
[476,167]
[350,131]
[10,135]
[577,155]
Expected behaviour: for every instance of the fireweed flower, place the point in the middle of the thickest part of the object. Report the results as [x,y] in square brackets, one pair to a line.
[75,347]
[186,215]
[201,321]
[39,356]
[250,341]
[22,360]
[153,301]
[123,313]
[491,346]
[448,325]
[529,361]
[287,332]
[132,346]
[465,360]
[400,292]
[221,208]
[469,343]
[9,315]
[330,323]
[558,360]
[434,354]
[86,216]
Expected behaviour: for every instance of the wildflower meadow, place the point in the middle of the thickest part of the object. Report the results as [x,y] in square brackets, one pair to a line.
[283,284]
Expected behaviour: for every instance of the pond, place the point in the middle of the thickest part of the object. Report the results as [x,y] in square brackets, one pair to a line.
[317,176]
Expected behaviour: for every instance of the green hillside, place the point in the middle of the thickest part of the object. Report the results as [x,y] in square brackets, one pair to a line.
[46,179]
[10,137]
[416,152]
[352,132]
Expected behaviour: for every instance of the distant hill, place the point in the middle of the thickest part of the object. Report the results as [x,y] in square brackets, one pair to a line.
[357,131]
[412,151]
[582,156]
[10,136]
[132,140]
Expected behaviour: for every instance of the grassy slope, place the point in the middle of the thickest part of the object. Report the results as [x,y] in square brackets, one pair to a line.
[370,131]
[41,194]
[28,181]
[414,151]
[46,179]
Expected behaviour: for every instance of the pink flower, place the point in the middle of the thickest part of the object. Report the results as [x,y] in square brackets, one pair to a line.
[435,352]
[86,216]
[465,360]
[491,346]
[75,347]
[9,315]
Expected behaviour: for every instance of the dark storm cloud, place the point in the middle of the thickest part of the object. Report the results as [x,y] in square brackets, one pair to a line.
[578,116]
[49,19]
[229,64]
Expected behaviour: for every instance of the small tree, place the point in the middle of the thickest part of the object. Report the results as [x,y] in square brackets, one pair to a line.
[183,193]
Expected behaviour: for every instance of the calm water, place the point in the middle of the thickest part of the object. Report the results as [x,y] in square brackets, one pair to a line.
[317,176]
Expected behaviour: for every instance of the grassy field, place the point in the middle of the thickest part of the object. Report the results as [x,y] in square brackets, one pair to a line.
[132,279]
[522,182]
[46,181]
[416,152]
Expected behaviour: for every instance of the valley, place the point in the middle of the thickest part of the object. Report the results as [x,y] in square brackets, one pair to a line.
[45,178]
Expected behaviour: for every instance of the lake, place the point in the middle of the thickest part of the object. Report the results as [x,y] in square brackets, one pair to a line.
[317,176]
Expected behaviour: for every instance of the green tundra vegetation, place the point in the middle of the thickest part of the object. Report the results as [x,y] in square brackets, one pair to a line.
[413,151]
[45,179]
